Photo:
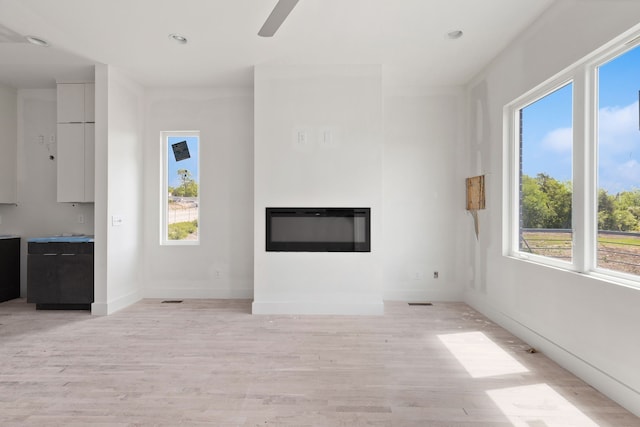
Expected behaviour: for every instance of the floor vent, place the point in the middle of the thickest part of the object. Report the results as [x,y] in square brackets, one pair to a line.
[420,303]
[172,301]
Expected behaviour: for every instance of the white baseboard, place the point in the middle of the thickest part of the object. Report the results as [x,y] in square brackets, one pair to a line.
[199,293]
[304,307]
[411,295]
[110,307]
[612,387]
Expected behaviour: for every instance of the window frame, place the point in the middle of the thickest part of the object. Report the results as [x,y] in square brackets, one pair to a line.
[615,51]
[512,139]
[164,188]
[584,76]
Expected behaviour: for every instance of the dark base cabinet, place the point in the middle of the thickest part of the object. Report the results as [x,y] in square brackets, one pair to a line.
[9,268]
[60,275]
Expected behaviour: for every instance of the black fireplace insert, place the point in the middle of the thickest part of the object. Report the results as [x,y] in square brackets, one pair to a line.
[318,229]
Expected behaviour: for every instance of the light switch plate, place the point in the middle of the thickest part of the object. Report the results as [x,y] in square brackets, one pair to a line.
[116,220]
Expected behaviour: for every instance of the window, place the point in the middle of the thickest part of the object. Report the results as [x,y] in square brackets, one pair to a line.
[618,173]
[180,189]
[574,144]
[545,174]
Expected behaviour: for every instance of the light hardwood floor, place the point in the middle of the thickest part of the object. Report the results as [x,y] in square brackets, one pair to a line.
[210,362]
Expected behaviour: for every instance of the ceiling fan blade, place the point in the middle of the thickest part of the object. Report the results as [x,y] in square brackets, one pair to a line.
[277,17]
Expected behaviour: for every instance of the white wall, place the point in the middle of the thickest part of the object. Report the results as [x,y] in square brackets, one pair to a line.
[345,173]
[221,266]
[38,213]
[423,192]
[588,325]
[119,191]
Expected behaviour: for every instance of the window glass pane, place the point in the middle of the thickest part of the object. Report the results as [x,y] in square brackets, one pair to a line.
[546,151]
[182,188]
[618,176]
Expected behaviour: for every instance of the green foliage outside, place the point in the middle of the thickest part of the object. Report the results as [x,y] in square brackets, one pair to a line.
[180,230]
[188,186]
[546,203]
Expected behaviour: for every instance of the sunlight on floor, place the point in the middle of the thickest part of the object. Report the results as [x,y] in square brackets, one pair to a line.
[538,405]
[480,356]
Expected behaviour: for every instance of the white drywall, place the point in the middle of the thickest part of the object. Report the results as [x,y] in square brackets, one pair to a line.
[221,266]
[342,171]
[37,212]
[119,190]
[588,325]
[423,193]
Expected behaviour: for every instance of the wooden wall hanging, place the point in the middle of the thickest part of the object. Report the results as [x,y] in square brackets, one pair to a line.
[475,199]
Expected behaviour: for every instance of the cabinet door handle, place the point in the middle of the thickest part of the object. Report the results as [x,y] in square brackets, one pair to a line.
[68,254]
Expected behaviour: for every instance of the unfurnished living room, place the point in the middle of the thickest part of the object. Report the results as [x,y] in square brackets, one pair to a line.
[319,212]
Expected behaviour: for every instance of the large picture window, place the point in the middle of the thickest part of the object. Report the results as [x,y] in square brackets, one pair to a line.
[618,173]
[545,175]
[574,187]
[181,188]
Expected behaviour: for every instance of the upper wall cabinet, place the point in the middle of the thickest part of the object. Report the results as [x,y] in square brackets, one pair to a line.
[8,145]
[76,102]
[71,103]
[76,150]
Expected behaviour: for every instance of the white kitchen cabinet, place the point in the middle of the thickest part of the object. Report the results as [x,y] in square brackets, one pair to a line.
[8,145]
[89,102]
[71,168]
[76,142]
[70,101]
[89,162]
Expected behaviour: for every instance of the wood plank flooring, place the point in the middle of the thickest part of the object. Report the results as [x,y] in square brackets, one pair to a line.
[210,362]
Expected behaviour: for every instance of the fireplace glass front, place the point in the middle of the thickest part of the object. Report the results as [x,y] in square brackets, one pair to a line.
[318,229]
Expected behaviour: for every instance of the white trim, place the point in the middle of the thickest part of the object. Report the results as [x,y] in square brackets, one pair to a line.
[164,193]
[451,294]
[512,168]
[240,292]
[110,307]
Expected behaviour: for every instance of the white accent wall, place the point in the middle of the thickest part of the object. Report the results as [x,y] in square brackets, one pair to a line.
[589,326]
[344,170]
[119,190]
[221,266]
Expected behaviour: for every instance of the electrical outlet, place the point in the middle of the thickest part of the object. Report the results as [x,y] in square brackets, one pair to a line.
[80,218]
[0,219]
[435,274]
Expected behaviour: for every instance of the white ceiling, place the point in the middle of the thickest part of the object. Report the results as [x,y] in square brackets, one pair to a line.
[406,36]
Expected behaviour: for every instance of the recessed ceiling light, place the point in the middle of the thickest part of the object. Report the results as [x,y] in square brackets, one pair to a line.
[453,35]
[37,41]
[178,38]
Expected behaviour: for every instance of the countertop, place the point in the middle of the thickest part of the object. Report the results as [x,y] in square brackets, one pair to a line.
[62,239]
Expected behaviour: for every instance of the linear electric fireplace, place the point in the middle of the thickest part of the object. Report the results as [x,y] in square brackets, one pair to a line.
[318,229]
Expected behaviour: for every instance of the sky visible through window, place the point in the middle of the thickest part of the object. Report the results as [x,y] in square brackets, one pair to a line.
[549,123]
[190,164]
